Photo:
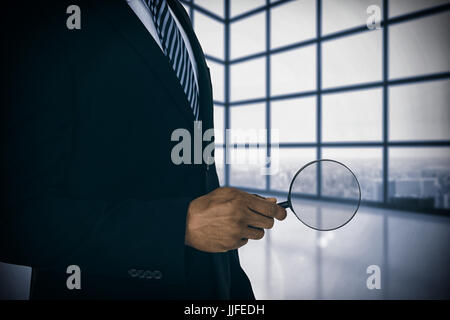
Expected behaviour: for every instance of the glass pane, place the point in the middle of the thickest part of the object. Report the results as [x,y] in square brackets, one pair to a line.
[219,124]
[366,164]
[248,36]
[239,6]
[293,22]
[214,6]
[217,78]
[290,247]
[294,119]
[248,80]
[210,34]
[220,168]
[246,167]
[420,111]
[419,177]
[352,116]
[346,253]
[293,71]
[346,14]
[290,161]
[420,46]
[248,124]
[353,59]
[399,7]
[417,249]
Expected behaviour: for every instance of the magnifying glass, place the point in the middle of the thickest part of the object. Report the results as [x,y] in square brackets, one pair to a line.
[338,183]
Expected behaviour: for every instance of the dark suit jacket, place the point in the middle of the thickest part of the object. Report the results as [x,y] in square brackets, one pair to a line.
[87,173]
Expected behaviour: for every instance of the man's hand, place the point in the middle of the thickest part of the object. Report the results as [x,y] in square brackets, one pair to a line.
[226,218]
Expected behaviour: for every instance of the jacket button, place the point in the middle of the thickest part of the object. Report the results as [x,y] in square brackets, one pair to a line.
[133,273]
[145,274]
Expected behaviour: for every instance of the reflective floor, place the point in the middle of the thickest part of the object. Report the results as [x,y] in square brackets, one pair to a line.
[296,262]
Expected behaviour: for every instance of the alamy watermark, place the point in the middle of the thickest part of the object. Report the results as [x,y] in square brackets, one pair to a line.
[74,20]
[374,18]
[242,148]
[74,280]
[374,280]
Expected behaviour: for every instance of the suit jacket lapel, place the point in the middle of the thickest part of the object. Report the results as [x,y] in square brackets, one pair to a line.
[123,19]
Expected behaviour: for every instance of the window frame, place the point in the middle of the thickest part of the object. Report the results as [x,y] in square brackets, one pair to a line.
[385,83]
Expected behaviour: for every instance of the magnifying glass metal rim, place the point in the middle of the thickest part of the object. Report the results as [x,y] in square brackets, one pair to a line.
[289,202]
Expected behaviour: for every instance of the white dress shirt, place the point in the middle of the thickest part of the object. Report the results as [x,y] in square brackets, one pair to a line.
[142,11]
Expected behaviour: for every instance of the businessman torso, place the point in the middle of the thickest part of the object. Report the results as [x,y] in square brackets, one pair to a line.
[110,143]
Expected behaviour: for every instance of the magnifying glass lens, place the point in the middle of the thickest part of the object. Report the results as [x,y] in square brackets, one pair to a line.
[337,183]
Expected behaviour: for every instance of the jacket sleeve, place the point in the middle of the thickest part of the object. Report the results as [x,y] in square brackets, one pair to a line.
[41,224]
[241,288]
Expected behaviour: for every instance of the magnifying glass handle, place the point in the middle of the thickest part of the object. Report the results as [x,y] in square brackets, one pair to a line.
[284,204]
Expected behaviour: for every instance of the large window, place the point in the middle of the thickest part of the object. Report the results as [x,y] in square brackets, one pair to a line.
[330,87]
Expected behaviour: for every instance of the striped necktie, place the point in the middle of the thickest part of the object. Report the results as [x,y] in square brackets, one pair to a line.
[175,49]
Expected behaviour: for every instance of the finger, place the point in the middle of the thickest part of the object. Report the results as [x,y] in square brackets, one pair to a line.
[243,242]
[257,195]
[240,243]
[253,233]
[271,199]
[283,213]
[266,208]
[257,220]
